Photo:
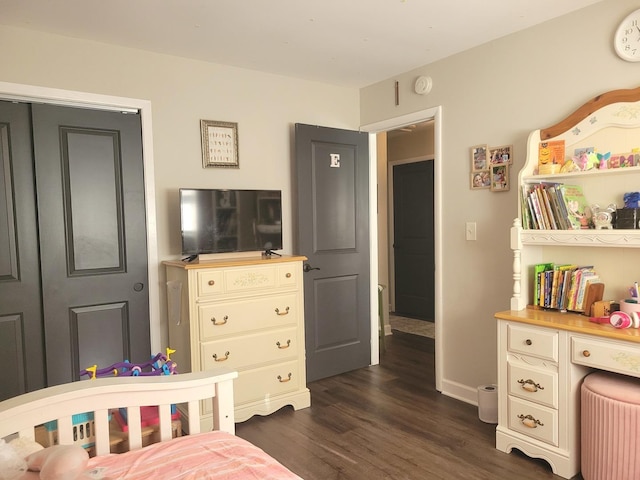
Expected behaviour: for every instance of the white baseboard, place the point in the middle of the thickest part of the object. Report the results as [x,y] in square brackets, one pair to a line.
[460,392]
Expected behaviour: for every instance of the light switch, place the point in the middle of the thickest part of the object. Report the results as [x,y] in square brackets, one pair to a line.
[471,230]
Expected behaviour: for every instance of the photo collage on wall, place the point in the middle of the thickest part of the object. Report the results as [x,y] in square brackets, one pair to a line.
[490,167]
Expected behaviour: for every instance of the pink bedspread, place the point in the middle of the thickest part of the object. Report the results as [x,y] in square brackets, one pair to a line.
[206,456]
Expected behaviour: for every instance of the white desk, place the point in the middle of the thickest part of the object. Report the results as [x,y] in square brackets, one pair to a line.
[542,358]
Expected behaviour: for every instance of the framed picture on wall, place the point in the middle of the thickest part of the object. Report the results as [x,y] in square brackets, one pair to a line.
[501,155]
[500,177]
[219,144]
[479,158]
[481,179]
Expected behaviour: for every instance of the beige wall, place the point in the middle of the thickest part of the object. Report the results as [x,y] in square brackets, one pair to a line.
[497,94]
[181,93]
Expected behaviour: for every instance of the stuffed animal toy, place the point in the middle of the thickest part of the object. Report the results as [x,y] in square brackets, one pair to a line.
[23,459]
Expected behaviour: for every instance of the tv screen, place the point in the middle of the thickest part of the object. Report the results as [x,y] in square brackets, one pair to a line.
[220,221]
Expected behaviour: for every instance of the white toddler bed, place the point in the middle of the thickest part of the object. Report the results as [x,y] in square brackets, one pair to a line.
[210,455]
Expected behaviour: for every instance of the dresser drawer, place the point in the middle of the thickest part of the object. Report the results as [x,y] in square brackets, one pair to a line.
[238,353]
[229,318]
[288,274]
[210,282]
[535,384]
[250,279]
[601,354]
[541,343]
[262,383]
[533,420]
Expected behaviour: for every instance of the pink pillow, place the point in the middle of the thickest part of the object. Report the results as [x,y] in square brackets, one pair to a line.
[59,462]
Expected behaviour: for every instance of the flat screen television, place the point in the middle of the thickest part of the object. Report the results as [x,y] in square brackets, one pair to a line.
[222,221]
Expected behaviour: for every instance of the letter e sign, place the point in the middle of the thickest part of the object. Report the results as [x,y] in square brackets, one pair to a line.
[335,160]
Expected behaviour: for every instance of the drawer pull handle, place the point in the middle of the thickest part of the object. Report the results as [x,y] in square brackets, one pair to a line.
[288,275]
[286,311]
[528,341]
[215,357]
[284,380]
[282,347]
[224,320]
[212,283]
[586,353]
[529,385]
[529,421]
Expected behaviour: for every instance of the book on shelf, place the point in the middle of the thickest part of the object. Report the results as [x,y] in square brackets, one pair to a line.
[576,282]
[551,156]
[578,212]
[538,283]
[566,286]
[555,206]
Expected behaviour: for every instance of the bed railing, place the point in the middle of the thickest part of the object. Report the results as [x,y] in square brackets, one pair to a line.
[19,416]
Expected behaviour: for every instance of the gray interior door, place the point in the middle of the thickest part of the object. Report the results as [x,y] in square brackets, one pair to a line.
[73,260]
[333,233]
[90,191]
[413,240]
[21,331]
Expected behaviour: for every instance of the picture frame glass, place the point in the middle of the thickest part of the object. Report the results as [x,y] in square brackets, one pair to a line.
[479,158]
[219,144]
[501,155]
[500,178]
[480,179]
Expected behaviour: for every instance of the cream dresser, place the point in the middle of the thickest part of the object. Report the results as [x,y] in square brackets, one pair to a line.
[244,314]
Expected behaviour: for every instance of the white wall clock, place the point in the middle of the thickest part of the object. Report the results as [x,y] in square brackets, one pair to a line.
[627,38]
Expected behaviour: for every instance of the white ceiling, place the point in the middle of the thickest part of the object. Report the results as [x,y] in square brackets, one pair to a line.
[351,43]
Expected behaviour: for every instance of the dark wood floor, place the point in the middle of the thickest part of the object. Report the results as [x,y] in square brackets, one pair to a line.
[388,422]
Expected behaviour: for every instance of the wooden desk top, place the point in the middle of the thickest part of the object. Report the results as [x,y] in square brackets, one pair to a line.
[572,322]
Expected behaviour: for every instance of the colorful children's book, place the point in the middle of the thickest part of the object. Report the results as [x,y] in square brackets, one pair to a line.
[578,211]
[550,156]
[538,282]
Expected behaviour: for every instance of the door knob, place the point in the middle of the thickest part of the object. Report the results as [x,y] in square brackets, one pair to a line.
[308,268]
[138,287]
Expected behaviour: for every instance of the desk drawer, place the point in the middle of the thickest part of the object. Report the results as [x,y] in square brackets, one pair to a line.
[604,355]
[533,420]
[534,384]
[537,342]
[250,350]
[235,317]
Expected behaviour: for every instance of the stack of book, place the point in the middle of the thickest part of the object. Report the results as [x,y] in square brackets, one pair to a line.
[554,206]
[566,287]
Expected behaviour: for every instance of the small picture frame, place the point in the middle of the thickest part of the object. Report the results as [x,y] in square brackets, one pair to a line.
[480,179]
[219,144]
[501,155]
[500,177]
[479,158]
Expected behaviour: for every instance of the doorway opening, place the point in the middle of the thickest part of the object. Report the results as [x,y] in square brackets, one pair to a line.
[379,142]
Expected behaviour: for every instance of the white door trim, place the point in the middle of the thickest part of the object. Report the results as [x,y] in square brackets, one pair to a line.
[32,93]
[434,114]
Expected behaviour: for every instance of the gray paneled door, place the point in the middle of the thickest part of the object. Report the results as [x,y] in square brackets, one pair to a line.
[89,216]
[333,233]
[413,240]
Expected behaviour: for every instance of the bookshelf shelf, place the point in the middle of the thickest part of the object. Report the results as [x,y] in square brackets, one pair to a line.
[574,176]
[581,238]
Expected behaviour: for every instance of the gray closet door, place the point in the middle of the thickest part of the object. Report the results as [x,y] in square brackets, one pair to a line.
[91,216]
[73,256]
[21,334]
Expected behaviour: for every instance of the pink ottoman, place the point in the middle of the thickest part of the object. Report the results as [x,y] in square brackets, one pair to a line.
[610,435]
